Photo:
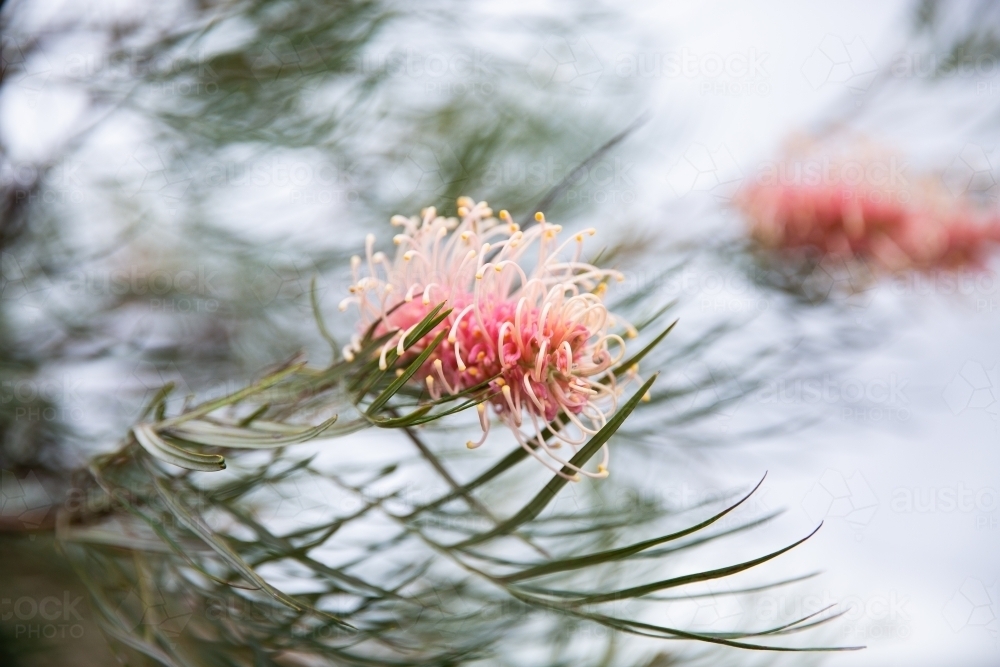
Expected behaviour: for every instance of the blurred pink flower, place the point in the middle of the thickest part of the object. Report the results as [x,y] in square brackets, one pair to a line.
[877,216]
[538,331]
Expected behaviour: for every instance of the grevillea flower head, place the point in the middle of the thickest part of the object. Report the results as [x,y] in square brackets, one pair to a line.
[527,316]
[859,204]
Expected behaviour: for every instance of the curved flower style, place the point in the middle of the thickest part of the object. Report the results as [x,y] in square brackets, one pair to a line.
[539,333]
[894,225]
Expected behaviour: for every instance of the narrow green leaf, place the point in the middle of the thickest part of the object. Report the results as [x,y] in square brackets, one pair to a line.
[407,373]
[638,591]
[212,406]
[320,322]
[404,420]
[636,358]
[623,552]
[150,440]
[545,496]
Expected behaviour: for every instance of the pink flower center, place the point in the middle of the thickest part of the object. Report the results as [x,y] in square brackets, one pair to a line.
[534,356]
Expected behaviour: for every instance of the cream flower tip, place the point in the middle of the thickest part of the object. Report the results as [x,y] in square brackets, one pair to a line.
[539,217]
[535,326]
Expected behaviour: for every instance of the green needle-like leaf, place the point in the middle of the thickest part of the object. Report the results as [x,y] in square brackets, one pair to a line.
[624,552]
[545,496]
[408,373]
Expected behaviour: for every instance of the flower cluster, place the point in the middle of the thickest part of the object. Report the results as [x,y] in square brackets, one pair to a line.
[535,330]
[894,225]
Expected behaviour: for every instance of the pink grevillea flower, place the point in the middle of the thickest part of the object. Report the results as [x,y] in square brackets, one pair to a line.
[851,208]
[536,328]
